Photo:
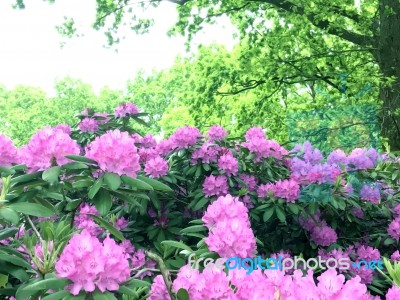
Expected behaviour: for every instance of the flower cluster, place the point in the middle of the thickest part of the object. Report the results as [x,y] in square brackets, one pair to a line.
[216,133]
[261,147]
[88,125]
[115,152]
[46,148]
[88,263]
[285,189]
[371,194]
[308,167]
[83,221]
[215,186]
[394,229]
[8,152]
[156,167]
[125,110]
[271,285]
[206,154]
[230,232]
[185,137]
[228,163]
[321,233]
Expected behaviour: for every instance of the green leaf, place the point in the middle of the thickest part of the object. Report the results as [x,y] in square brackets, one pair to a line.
[103,223]
[74,166]
[15,260]
[46,284]
[182,294]
[176,244]
[280,213]
[26,177]
[127,291]
[32,209]
[139,184]
[395,174]
[57,295]
[157,185]
[137,283]
[103,296]
[293,208]
[388,242]
[195,228]
[81,159]
[3,280]
[95,188]
[112,180]
[268,213]
[51,175]
[202,202]
[7,232]
[103,201]
[9,215]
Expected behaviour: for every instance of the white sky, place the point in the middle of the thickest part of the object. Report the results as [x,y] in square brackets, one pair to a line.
[30,51]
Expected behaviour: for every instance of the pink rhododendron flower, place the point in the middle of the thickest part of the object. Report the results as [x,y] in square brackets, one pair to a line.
[250,180]
[158,290]
[126,109]
[47,147]
[88,263]
[323,236]
[115,152]
[255,132]
[104,118]
[88,125]
[229,164]
[394,229]
[185,137]
[362,159]
[216,133]
[83,221]
[206,154]
[148,141]
[65,128]
[156,167]
[393,293]
[230,232]
[371,194]
[8,152]
[215,186]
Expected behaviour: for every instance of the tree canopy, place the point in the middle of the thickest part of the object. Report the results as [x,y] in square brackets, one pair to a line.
[286,48]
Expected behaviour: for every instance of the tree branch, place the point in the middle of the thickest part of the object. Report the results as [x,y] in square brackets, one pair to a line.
[358,39]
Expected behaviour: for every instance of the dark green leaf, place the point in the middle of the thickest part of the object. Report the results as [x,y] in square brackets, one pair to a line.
[32,209]
[81,159]
[112,180]
[176,244]
[103,201]
[182,294]
[103,223]
[139,184]
[95,188]
[51,175]
[157,185]
[9,215]
[268,213]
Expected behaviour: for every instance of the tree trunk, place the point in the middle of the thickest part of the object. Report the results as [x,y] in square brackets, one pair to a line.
[388,57]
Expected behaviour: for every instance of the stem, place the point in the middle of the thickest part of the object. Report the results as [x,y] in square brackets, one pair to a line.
[145,270]
[164,272]
[34,229]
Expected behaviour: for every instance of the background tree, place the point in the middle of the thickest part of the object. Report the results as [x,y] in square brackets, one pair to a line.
[295,43]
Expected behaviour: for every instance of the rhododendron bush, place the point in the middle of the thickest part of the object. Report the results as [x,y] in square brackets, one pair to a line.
[103,211]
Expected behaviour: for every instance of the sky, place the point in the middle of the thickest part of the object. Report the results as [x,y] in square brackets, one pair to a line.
[30,51]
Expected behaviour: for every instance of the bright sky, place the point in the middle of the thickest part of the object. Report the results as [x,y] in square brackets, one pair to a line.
[30,51]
